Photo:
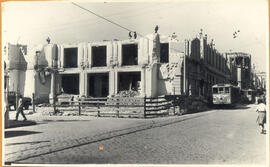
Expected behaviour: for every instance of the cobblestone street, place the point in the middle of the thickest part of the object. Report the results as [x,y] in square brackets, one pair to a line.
[221,136]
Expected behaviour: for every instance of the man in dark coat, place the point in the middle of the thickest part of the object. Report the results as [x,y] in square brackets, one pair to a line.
[20,109]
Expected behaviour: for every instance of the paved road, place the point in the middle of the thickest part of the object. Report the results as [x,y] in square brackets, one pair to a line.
[215,137]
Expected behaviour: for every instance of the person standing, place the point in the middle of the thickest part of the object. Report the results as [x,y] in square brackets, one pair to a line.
[261,119]
[20,109]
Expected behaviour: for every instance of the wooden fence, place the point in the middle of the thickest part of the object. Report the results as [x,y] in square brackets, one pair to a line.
[164,105]
[138,107]
[103,107]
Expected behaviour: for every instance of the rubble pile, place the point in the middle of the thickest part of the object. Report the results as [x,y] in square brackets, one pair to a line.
[125,101]
[167,71]
[127,93]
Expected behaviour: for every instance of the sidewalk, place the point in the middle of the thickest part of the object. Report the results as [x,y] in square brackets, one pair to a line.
[56,133]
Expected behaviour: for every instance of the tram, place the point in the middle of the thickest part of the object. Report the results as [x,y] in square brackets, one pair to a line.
[249,95]
[225,94]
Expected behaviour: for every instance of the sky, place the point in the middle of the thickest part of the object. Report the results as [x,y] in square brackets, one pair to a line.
[32,22]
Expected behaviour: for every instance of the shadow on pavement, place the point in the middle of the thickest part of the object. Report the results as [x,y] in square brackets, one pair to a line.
[32,142]
[226,107]
[241,107]
[16,133]
[63,120]
[15,124]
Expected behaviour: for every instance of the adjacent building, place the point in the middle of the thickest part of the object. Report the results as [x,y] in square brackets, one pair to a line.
[205,66]
[15,67]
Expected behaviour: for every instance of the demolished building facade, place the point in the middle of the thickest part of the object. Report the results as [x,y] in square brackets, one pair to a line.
[240,66]
[153,65]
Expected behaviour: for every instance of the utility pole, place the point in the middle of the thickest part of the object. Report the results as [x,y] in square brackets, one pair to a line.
[19,78]
[53,70]
[53,89]
[6,98]
[184,75]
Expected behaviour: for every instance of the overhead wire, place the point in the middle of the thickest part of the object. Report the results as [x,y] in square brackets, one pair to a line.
[117,24]
[128,29]
[86,21]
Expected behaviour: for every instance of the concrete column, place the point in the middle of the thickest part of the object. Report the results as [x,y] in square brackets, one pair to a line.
[80,55]
[119,53]
[52,94]
[112,82]
[239,77]
[89,46]
[116,82]
[148,84]
[109,56]
[85,84]
[82,83]
[85,55]
[61,65]
[143,84]
[152,80]
[59,55]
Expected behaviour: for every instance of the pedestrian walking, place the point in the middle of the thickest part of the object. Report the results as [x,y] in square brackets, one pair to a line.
[261,119]
[20,109]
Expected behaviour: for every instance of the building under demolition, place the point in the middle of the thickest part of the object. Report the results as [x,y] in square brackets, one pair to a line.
[240,66]
[151,66]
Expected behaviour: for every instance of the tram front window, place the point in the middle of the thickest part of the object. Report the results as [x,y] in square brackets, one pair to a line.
[220,90]
[249,93]
[227,90]
[215,90]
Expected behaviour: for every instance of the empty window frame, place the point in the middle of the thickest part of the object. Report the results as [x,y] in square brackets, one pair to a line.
[99,56]
[164,53]
[129,81]
[70,83]
[130,54]
[227,90]
[220,90]
[98,84]
[70,57]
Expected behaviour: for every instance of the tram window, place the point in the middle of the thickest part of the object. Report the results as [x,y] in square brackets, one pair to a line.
[227,90]
[215,90]
[220,89]
[249,93]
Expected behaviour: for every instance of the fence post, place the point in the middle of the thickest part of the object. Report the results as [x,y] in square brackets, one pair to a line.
[173,100]
[179,105]
[117,107]
[34,107]
[157,103]
[144,107]
[79,104]
[98,112]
